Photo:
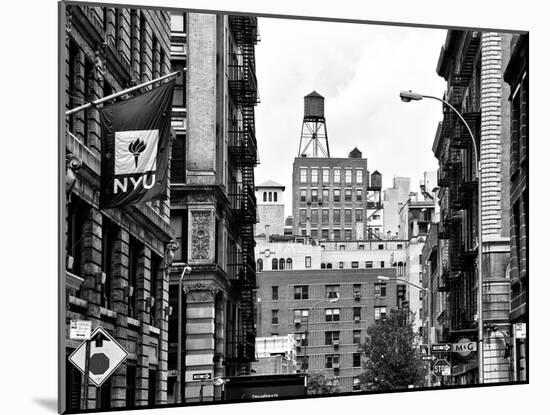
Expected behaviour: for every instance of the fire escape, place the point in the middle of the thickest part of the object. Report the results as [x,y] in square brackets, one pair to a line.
[459,195]
[243,152]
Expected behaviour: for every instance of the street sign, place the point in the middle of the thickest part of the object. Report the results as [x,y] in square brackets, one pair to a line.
[464,347]
[202,376]
[521,330]
[441,348]
[106,355]
[430,357]
[80,329]
[442,368]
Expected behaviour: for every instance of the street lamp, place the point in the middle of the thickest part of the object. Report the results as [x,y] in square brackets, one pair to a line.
[180,301]
[428,295]
[331,300]
[408,96]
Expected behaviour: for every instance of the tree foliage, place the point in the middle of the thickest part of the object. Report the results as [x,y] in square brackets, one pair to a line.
[392,359]
[319,383]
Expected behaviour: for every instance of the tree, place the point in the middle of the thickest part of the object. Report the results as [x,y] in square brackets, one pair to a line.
[392,359]
[319,383]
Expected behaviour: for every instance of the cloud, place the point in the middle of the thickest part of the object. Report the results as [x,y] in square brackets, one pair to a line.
[359,69]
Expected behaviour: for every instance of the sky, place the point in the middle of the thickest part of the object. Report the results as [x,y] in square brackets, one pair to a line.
[360,70]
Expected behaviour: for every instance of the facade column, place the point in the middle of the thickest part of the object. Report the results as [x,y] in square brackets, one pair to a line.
[219,355]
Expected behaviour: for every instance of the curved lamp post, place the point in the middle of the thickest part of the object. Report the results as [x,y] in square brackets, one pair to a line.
[408,96]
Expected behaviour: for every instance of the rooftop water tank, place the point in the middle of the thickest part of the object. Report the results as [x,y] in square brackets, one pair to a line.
[376,180]
[314,106]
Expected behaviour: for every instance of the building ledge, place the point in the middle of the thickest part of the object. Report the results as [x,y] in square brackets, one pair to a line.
[77,301]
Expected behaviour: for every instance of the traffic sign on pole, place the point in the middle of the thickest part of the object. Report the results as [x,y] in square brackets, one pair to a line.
[105,356]
[442,368]
[430,357]
[441,348]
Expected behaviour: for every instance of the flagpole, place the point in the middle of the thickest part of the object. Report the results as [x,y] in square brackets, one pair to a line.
[118,94]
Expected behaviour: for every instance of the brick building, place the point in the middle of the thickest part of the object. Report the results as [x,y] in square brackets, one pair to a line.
[336,198]
[473,63]
[213,207]
[328,312]
[517,76]
[114,274]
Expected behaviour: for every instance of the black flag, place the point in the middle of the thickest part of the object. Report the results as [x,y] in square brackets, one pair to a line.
[135,148]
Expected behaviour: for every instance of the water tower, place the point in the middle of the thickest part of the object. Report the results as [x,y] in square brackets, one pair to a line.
[314,138]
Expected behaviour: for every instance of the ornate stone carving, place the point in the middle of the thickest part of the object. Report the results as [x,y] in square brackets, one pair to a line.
[200,237]
[200,293]
[171,247]
[73,165]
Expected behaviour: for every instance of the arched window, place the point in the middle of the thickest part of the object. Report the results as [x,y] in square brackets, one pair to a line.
[265,196]
[259,265]
[289,263]
[282,263]
[323,266]
[274,263]
[399,268]
[270,194]
[329,265]
[274,196]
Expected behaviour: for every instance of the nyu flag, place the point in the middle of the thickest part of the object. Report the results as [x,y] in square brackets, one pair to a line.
[136,147]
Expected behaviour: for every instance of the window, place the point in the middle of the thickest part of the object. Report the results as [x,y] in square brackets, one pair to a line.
[156,284]
[336,234]
[347,195]
[332,314]
[380,246]
[356,290]
[314,216]
[336,214]
[331,337]
[357,360]
[259,265]
[359,215]
[314,195]
[314,175]
[348,176]
[356,313]
[356,336]
[337,194]
[130,385]
[368,264]
[324,218]
[274,196]
[177,165]
[303,175]
[359,195]
[135,250]
[303,216]
[342,248]
[303,362]
[356,383]
[400,269]
[179,99]
[177,23]
[341,265]
[77,211]
[323,265]
[270,196]
[382,264]
[301,339]
[361,247]
[331,291]
[336,175]
[303,195]
[325,176]
[347,234]
[108,235]
[301,316]
[359,176]
[324,233]
[275,293]
[282,263]
[347,215]
[308,262]
[380,290]
[301,292]
[325,195]
[274,316]
[265,196]
[375,217]
[289,263]
[314,233]
[354,264]
[329,265]
[274,264]
[399,246]
[332,361]
[379,312]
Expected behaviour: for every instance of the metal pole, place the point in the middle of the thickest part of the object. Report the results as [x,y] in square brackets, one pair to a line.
[477,157]
[178,372]
[118,94]
[85,381]
[429,305]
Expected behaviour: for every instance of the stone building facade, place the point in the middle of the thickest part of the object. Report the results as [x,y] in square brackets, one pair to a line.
[517,76]
[115,259]
[213,206]
[473,63]
[271,209]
